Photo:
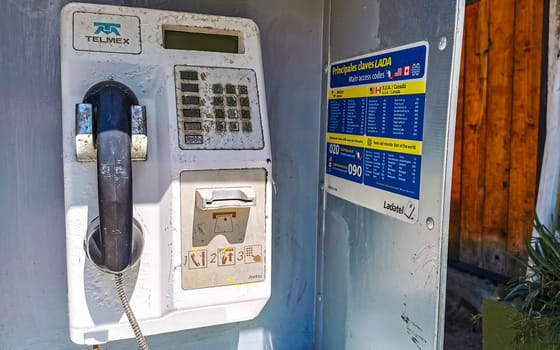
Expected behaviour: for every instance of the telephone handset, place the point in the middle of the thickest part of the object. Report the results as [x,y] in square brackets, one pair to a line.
[111,101]
[113,246]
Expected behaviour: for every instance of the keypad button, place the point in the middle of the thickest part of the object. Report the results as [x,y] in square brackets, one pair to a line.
[233,126]
[193,139]
[243,90]
[219,113]
[218,88]
[191,113]
[231,101]
[189,87]
[189,75]
[218,100]
[230,89]
[191,100]
[247,126]
[221,126]
[192,126]
[245,114]
[232,113]
[244,101]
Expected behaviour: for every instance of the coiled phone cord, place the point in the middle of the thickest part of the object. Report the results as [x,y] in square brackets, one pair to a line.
[129,314]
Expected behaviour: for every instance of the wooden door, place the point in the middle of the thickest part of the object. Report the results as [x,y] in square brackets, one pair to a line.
[494,171]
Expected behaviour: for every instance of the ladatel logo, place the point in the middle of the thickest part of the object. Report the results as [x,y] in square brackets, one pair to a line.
[108,29]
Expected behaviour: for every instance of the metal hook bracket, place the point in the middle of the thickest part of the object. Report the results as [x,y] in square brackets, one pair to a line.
[85,140]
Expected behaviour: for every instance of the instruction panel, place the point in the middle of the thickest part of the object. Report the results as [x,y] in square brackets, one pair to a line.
[374,130]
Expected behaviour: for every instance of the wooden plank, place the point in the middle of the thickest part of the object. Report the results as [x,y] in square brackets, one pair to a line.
[524,137]
[498,129]
[474,131]
[455,207]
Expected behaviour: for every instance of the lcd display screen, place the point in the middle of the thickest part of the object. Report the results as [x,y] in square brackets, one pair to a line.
[180,40]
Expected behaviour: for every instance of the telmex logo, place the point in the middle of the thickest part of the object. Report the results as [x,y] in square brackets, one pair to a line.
[107,28]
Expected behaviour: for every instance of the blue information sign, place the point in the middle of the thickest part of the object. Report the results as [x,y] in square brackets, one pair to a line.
[375,128]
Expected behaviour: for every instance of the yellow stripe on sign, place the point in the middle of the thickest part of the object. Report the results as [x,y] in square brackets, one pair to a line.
[394,145]
[377,143]
[346,140]
[379,90]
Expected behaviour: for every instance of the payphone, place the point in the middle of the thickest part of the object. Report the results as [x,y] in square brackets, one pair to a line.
[166,170]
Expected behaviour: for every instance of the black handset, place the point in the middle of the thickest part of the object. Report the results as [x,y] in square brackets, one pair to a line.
[111,102]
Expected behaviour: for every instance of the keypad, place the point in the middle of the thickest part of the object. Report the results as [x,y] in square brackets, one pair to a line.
[190,110]
[215,105]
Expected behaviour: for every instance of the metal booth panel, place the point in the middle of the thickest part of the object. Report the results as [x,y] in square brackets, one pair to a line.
[382,273]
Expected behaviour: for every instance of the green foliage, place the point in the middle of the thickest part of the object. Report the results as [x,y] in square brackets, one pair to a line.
[537,296]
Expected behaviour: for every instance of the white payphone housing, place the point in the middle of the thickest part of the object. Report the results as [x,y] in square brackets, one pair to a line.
[201,188]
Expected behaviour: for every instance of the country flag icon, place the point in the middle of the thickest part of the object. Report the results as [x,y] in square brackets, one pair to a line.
[406,70]
[375,90]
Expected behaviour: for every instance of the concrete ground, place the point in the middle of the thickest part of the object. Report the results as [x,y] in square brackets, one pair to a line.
[463,308]
[460,333]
